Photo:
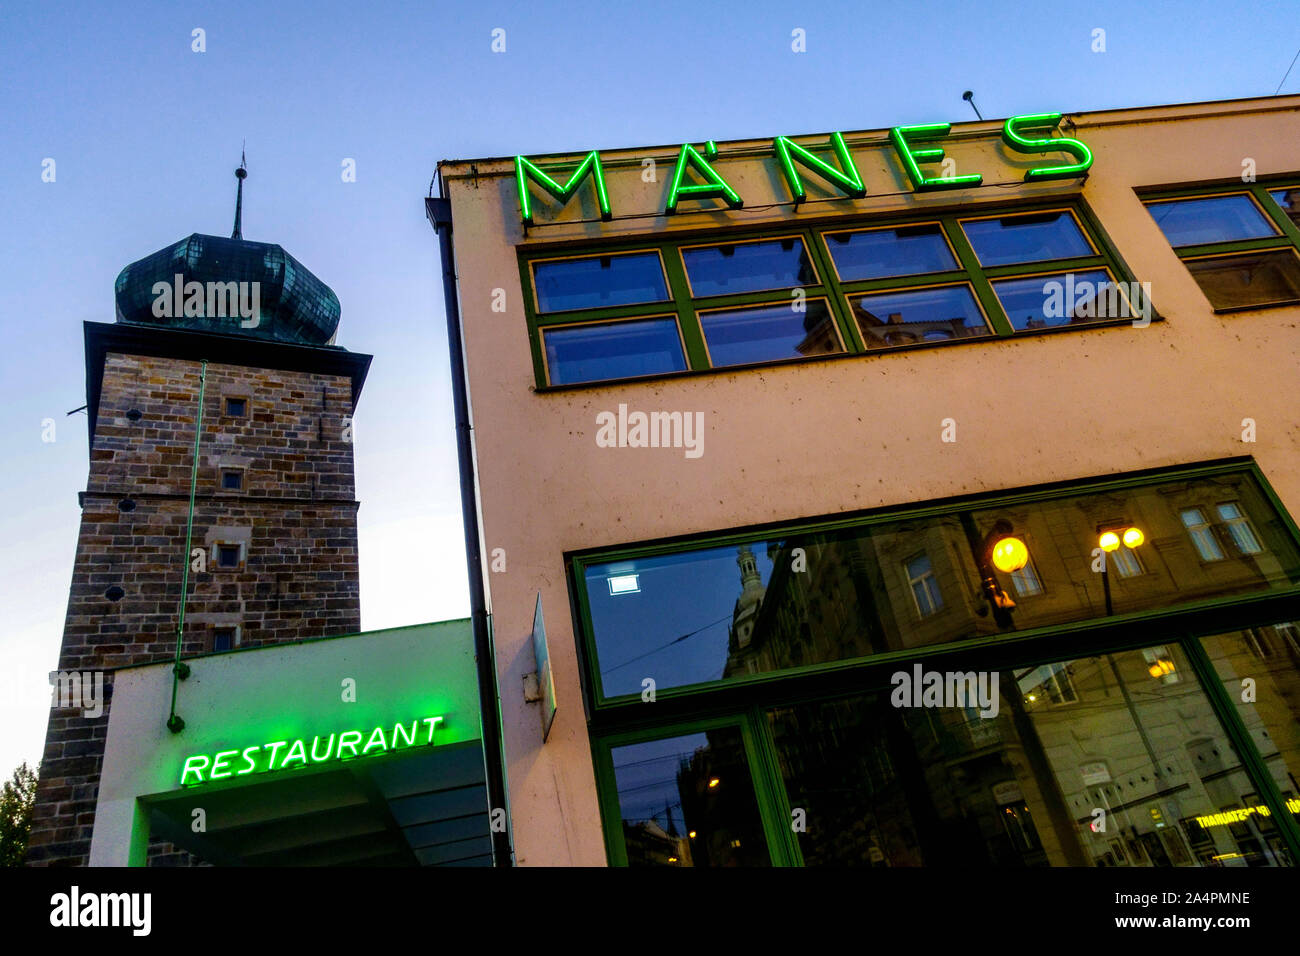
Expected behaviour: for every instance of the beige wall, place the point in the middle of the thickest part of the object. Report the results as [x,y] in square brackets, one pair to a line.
[859,432]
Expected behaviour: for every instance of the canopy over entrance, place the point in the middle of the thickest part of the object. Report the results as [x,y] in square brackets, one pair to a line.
[423,809]
[359,750]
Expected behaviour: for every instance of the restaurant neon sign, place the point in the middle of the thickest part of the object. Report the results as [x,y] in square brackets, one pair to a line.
[843,174]
[1229,817]
[273,755]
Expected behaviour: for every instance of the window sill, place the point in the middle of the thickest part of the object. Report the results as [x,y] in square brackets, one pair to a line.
[1238,309]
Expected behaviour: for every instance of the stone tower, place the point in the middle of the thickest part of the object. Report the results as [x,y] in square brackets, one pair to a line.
[272,544]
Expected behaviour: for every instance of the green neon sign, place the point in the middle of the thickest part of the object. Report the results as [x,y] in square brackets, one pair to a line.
[526,170]
[1011,135]
[915,146]
[904,136]
[347,745]
[714,185]
[846,178]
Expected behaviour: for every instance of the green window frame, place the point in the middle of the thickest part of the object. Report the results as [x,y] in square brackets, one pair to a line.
[1287,239]
[746,701]
[828,285]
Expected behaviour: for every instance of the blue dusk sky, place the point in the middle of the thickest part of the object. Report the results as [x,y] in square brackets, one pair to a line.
[145,134]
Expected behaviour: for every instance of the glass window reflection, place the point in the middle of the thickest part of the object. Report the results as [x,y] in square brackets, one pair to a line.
[1093,761]
[1192,222]
[609,350]
[689,801]
[1032,237]
[1242,281]
[884,253]
[599,282]
[1289,200]
[749,267]
[770,333]
[1071,298]
[710,614]
[920,315]
[1269,657]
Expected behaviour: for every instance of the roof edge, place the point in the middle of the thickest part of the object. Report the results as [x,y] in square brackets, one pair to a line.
[128,338]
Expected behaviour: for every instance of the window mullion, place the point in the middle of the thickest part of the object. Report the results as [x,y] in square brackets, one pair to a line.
[983,290]
[740,300]
[1051,267]
[769,788]
[552,319]
[835,294]
[530,316]
[1230,248]
[904,283]
[697,356]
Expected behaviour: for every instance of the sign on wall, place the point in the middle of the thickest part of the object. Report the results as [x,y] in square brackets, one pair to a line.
[918,148]
[544,677]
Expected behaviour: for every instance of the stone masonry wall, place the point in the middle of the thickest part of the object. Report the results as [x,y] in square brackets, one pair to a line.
[293,522]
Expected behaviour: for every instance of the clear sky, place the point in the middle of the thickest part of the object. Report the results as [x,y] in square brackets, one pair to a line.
[145,134]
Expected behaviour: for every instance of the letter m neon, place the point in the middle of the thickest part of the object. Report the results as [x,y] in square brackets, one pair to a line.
[525,170]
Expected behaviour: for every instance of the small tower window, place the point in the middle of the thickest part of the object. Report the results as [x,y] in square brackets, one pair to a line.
[225,638]
[232,479]
[227,555]
[236,407]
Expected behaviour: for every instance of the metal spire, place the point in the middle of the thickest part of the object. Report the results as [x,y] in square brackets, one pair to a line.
[241,174]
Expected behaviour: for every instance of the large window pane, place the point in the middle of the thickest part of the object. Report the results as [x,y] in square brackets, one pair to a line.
[1074,298]
[922,315]
[1260,670]
[883,253]
[689,801]
[1253,279]
[599,282]
[594,353]
[748,267]
[710,614]
[769,333]
[1114,760]
[1035,237]
[1191,222]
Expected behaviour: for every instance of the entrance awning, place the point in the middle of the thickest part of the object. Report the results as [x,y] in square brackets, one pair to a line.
[347,751]
[426,809]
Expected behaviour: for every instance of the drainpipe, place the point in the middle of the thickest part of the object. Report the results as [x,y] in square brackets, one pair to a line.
[439,213]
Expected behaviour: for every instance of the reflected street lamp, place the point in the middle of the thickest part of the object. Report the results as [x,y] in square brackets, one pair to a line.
[1109,542]
[997,549]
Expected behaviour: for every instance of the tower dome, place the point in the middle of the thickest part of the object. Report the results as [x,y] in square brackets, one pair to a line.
[212,284]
